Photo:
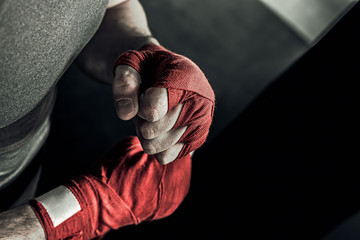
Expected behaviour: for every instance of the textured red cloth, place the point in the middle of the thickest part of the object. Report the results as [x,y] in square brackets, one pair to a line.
[126,187]
[185,83]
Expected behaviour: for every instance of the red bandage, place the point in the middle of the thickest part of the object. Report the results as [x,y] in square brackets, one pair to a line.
[126,187]
[185,82]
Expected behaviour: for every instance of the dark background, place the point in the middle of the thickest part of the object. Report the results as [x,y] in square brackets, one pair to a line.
[281,159]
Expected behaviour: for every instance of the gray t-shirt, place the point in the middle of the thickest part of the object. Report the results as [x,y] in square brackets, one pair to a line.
[39,39]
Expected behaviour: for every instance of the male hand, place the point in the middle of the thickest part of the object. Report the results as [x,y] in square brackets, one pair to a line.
[169,99]
[125,187]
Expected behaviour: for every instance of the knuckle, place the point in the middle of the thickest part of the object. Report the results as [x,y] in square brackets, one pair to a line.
[126,83]
[125,70]
[150,114]
[158,104]
[150,147]
[162,158]
[155,104]
[147,131]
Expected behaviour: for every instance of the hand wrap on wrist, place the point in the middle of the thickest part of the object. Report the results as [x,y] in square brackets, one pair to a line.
[125,187]
[185,83]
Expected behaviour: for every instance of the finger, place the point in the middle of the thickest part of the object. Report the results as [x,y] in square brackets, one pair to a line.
[169,154]
[162,142]
[151,130]
[125,91]
[153,104]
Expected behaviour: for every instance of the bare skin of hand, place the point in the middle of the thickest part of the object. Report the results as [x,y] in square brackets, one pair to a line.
[154,123]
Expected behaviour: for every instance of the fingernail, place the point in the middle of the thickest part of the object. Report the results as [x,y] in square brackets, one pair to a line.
[125,107]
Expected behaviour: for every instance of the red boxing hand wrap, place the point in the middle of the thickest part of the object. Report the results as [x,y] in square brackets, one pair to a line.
[125,187]
[185,83]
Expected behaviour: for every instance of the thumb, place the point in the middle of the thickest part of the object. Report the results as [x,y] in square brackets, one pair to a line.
[125,91]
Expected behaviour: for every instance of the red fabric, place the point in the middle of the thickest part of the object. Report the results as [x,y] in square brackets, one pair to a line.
[125,187]
[185,82]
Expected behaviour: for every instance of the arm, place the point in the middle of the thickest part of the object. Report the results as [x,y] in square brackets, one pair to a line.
[124,27]
[167,123]
[20,223]
[125,187]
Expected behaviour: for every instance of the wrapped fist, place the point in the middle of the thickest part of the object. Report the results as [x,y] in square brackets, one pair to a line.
[169,98]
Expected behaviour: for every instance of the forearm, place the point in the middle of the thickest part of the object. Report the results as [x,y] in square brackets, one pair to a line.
[124,27]
[20,223]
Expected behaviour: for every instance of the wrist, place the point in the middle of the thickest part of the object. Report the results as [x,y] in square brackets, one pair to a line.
[57,209]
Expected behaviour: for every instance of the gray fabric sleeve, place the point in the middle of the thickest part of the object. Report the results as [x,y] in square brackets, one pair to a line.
[38,41]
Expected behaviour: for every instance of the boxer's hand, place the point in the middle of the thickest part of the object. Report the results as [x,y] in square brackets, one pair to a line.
[169,99]
[154,124]
[126,186]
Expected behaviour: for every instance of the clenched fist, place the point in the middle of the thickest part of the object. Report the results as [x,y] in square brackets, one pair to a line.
[169,98]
